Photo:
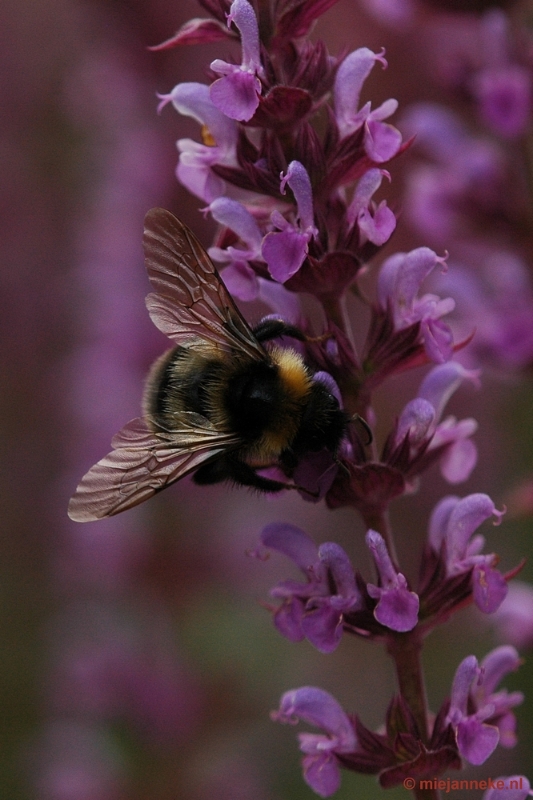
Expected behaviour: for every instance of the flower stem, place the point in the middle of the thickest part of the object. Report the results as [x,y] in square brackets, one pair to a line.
[405,649]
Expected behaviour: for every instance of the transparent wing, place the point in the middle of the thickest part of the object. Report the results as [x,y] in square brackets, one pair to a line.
[143,462]
[190,299]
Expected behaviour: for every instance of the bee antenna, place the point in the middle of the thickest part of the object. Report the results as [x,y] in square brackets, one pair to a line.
[357,418]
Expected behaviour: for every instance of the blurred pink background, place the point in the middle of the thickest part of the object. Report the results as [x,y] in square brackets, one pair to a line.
[137,661]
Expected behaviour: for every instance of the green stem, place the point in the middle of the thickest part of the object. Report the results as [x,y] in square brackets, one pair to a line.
[405,649]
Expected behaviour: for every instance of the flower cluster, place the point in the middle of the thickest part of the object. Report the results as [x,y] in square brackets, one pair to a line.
[471,724]
[288,163]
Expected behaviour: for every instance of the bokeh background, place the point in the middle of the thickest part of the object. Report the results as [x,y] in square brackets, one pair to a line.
[137,659]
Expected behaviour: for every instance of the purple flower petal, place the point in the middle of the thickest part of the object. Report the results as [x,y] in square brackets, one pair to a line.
[298,179]
[193,100]
[284,253]
[397,609]
[338,564]
[497,664]
[243,16]
[457,463]
[351,75]
[465,518]
[439,520]
[382,141]
[322,773]
[438,340]
[281,300]
[320,709]
[416,420]
[515,787]
[476,740]
[322,627]
[364,191]
[236,94]
[378,227]
[441,382]
[235,216]
[241,281]
[293,542]
[476,711]
[288,619]
[507,727]
[514,618]
[400,278]
[466,673]
[489,588]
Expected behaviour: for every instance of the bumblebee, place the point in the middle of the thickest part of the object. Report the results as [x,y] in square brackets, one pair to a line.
[224,402]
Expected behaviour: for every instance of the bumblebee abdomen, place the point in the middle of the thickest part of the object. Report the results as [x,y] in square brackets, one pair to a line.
[180,380]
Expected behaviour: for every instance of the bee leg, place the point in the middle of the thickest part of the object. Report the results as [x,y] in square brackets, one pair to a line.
[233,469]
[245,475]
[212,472]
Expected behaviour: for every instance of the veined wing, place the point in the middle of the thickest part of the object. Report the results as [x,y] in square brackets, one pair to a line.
[190,299]
[143,462]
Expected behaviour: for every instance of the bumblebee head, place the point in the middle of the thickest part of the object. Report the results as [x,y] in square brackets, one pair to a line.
[323,422]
